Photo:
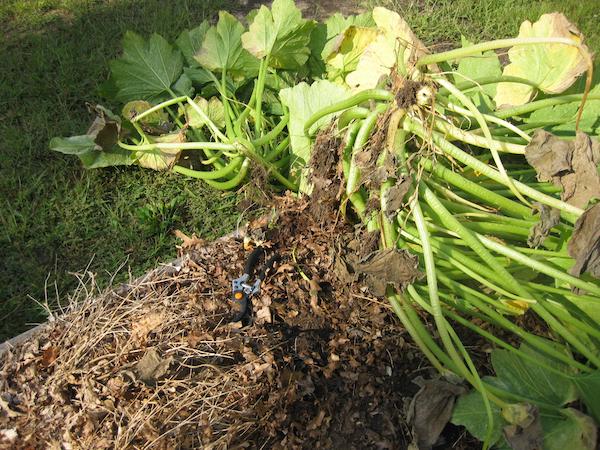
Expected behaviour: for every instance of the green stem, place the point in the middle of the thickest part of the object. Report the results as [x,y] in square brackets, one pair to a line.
[180,146]
[357,99]
[158,107]
[235,181]
[538,265]
[480,141]
[434,300]
[539,104]
[470,50]
[569,212]
[211,175]
[260,87]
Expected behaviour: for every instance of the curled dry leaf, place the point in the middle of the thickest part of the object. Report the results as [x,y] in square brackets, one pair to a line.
[187,241]
[549,218]
[584,245]
[152,367]
[431,409]
[49,356]
[568,164]
[141,327]
[390,266]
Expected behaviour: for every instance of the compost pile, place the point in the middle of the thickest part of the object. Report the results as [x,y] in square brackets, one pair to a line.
[159,364]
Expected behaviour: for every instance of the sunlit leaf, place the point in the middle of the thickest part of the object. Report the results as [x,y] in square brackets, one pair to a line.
[551,67]
[303,101]
[280,34]
[222,48]
[347,51]
[396,43]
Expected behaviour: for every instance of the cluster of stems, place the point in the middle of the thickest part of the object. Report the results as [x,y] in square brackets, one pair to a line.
[468,217]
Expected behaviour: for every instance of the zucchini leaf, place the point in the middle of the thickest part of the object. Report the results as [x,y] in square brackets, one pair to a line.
[161,159]
[147,69]
[574,431]
[474,68]
[190,42]
[395,46]
[530,380]
[97,148]
[213,108]
[303,101]
[551,67]
[280,34]
[222,49]
[470,413]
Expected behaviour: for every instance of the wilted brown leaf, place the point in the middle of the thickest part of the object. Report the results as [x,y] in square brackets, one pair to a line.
[568,164]
[584,245]
[152,367]
[431,409]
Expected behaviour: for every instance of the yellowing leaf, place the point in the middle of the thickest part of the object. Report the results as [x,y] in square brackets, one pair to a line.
[279,34]
[347,50]
[136,107]
[161,159]
[519,307]
[395,43]
[213,108]
[551,67]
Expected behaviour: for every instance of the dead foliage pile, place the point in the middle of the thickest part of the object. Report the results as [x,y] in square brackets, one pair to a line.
[158,363]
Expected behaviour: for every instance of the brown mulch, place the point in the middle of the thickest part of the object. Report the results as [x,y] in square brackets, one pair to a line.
[158,363]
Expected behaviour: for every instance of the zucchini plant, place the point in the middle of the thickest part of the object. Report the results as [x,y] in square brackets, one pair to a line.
[486,172]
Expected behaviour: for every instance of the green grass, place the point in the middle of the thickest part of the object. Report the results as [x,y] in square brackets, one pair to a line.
[56,218]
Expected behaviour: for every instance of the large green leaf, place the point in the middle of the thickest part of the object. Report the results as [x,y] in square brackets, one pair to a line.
[551,67]
[303,101]
[588,386]
[573,431]
[222,49]
[280,34]
[470,413]
[147,69]
[190,42]
[531,380]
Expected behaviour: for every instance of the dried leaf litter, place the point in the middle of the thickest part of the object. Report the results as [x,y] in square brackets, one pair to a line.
[158,364]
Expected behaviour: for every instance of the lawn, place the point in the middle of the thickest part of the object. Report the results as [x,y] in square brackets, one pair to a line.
[57,218]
